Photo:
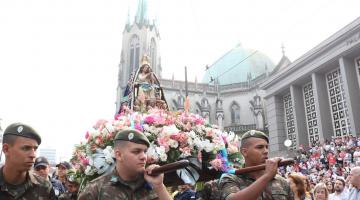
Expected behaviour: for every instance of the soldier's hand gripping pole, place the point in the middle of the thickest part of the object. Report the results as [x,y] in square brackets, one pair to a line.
[170,167]
[284,162]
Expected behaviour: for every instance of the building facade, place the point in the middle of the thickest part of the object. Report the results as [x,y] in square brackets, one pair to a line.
[227,95]
[317,96]
[50,154]
[307,101]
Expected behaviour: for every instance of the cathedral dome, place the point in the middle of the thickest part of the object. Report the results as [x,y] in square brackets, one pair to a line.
[237,65]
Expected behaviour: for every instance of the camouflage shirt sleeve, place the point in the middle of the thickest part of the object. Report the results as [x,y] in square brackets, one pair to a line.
[228,185]
[90,192]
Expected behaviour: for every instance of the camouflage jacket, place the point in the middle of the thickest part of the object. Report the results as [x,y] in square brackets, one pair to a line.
[210,191]
[277,189]
[111,186]
[68,196]
[34,188]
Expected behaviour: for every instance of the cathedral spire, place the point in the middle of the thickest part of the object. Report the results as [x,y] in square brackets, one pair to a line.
[141,17]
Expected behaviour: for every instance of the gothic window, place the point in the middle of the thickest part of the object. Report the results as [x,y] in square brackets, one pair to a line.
[153,54]
[235,113]
[134,53]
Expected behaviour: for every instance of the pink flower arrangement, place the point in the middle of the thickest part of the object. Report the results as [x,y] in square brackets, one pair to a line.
[173,136]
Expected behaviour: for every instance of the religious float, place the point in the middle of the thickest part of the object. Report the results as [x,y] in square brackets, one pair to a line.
[173,135]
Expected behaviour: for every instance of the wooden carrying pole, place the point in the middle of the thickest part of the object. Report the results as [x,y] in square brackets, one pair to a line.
[170,167]
[245,170]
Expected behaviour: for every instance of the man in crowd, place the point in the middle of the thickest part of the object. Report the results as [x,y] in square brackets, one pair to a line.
[42,168]
[263,184]
[354,178]
[72,185]
[20,143]
[129,179]
[340,190]
[62,169]
[185,192]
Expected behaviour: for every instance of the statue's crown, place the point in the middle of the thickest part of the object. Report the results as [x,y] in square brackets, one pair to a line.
[145,60]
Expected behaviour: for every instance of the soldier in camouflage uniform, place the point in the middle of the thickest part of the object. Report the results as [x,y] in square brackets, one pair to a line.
[20,143]
[72,185]
[259,185]
[129,179]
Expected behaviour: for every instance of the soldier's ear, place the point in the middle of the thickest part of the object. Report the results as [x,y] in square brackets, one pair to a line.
[5,147]
[118,154]
[244,151]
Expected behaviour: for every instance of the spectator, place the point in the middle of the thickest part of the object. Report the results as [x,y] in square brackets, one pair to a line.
[42,168]
[354,179]
[356,156]
[321,192]
[297,185]
[185,192]
[62,169]
[330,187]
[340,190]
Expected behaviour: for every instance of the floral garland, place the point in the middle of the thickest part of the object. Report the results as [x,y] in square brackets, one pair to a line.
[173,136]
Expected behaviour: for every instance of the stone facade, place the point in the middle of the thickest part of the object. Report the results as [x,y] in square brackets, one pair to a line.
[316,97]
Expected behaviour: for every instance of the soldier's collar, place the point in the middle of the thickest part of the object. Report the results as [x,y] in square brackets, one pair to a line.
[32,178]
[116,179]
[29,177]
[2,182]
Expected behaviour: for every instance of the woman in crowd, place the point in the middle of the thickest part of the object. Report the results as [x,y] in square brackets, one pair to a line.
[297,185]
[330,187]
[321,192]
[308,188]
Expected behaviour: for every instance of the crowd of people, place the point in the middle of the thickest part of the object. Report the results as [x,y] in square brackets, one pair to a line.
[330,171]
[328,164]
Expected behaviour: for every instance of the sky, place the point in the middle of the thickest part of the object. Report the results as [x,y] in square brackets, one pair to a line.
[59,58]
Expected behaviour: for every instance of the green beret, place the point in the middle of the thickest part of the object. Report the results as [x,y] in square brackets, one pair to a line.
[255,134]
[132,135]
[22,130]
[73,177]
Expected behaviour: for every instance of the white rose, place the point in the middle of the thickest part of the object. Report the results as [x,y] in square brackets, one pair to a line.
[169,130]
[163,157]
[198,143]
[151,153]
[209,147]
[173,143]
[89,171]
[192,134]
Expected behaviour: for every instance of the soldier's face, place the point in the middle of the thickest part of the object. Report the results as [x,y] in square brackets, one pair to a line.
[256,152]
[133,157]
[72,187]
[21,155]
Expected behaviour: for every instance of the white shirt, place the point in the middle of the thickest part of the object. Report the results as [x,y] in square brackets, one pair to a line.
[354,194]
[343,196]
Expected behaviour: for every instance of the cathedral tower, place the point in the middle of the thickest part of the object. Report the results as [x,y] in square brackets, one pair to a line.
[141,37]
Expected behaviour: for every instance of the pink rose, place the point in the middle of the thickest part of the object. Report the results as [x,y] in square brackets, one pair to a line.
[216,164]
[87,135]
[149,120]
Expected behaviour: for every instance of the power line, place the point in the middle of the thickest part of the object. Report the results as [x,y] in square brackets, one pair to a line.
[253,53]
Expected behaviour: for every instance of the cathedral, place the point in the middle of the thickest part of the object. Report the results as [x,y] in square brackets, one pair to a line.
[294,101]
